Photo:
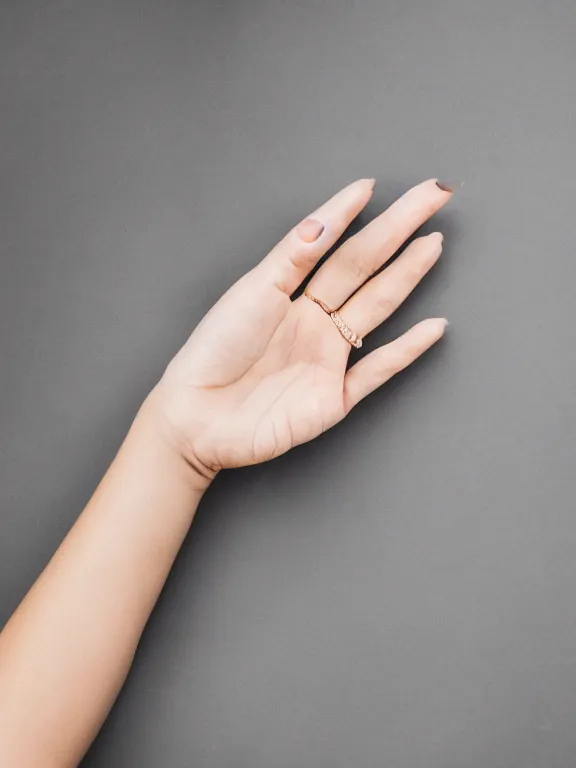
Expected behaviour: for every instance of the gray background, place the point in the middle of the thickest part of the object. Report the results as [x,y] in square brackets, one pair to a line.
[401,592]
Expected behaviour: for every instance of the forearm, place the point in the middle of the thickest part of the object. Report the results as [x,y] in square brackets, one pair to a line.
[66,651]
[260,374]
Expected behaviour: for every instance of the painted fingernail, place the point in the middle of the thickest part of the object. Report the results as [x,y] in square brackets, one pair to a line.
[447,186]
[310,230]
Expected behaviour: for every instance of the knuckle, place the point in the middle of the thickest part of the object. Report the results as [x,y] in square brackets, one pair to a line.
[354,264]
[401,358]
[386,303]
[415,272]
[411,352]
[299,258]
[356,268]
[395,363]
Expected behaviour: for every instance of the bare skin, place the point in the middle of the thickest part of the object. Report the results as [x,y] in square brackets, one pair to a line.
[259,375]
[262,373]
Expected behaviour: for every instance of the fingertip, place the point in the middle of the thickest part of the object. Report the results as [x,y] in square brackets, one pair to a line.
[431,329]
[449,186]
[363,187]
[445,186]
[435,245]
[438,325]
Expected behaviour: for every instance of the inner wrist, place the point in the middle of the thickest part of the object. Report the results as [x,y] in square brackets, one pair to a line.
[153,427]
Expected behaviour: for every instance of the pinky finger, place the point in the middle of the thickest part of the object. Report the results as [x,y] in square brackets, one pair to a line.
[379,366]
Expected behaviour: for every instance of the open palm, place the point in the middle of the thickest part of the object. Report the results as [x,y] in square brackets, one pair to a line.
[263,372]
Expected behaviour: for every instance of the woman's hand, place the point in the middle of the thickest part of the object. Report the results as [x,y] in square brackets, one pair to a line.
[262,372]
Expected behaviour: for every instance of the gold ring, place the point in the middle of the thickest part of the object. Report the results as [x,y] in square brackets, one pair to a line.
[347,333]
[352,338]
[320,303]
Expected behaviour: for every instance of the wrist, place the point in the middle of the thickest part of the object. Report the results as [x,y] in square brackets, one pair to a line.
[153,427]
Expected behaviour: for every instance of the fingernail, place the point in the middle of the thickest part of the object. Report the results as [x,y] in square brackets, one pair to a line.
[438,235]
[310,230]
[447,186]
[372,182]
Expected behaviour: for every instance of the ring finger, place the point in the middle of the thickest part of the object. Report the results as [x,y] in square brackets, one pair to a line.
[382,295]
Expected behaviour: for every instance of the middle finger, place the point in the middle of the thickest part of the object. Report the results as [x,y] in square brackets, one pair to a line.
[363,254]
[381,296]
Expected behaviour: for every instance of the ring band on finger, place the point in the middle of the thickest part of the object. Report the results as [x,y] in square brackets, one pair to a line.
[345,331]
